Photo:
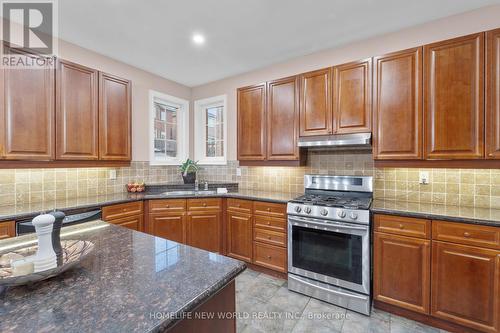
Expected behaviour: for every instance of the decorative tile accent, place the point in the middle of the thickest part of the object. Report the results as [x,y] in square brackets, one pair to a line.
[467,187]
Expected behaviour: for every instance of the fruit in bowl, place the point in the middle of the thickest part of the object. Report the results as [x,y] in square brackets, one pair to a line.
[136,187]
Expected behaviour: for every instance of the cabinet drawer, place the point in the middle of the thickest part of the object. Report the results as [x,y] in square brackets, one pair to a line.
[238,205]
[269,223]
[269,256]
[468,234]
[130,222]
[7,229]
[269,209]
[405,226]
[165,206]
[121,210]
[269,237]
[207,204]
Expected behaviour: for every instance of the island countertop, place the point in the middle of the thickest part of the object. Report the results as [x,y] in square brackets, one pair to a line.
[122,286]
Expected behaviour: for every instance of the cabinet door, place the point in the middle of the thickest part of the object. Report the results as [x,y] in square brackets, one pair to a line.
[493,94]
[130,222]
[7,229]
[316,103]
[352,97]
[114,118]
[27,114]
[252,123]
[401,271]
[203,231]
[282,119]
[169,226]
[466,285]
[239,236]
[76,112]
[454,98]
[397,105]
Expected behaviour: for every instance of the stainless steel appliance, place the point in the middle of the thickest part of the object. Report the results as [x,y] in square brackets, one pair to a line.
[329,240]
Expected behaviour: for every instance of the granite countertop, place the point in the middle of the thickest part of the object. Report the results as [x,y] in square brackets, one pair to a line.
[128,277]
[18,212]
[473,215]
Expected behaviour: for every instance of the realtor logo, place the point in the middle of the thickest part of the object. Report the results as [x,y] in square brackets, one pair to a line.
[28,27]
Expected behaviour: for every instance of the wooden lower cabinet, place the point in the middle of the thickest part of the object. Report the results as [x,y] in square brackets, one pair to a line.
[466,285]
[169,226]
[239,235]
[451,281]
[204,231]
[270,256]
[131,222]
[7,229]
[402,271]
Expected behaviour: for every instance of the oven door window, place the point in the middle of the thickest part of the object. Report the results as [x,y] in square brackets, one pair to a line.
[334,254]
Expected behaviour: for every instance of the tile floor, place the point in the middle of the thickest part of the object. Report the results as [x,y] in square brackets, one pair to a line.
[266,305]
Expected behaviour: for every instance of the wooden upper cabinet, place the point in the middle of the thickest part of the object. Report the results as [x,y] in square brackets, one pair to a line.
[27,114]
[252,123]
[316,103]
[493,94]
[114,118]
[352,97]
[466,286]
[282,119]
[454,98]
[76,112]
[397,105]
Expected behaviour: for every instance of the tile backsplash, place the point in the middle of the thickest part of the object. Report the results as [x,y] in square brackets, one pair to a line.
[480,188]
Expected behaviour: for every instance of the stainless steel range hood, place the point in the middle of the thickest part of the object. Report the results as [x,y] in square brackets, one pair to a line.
[338,141]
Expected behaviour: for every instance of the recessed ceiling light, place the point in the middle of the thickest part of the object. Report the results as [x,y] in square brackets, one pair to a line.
[198,39]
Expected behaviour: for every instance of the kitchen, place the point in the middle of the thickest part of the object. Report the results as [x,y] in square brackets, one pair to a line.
[344,180]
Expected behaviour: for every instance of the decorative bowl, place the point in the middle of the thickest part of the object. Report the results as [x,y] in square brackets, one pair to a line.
[73,251]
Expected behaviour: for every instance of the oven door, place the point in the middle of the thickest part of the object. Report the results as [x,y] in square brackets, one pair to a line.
[332,252]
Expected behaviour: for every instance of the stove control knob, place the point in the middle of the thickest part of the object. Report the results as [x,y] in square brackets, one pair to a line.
[307,210]
[298,209]
[324,212]
[341,214]
[353,216]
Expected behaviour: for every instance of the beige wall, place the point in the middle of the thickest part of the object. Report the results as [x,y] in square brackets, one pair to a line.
[142,82]
[479,20]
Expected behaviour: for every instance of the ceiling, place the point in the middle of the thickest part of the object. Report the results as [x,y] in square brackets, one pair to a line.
[241,36]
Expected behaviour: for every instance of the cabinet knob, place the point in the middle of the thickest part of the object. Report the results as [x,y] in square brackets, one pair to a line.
[268,209]
[401,226]
[268,257]
[466,234]
[268,223]
[167,206]
[124,210]
[268,237]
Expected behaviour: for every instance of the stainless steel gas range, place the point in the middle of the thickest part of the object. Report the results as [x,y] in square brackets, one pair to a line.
[329,241]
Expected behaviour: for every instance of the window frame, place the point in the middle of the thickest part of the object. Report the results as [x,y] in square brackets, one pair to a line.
[200,141]
[182,128]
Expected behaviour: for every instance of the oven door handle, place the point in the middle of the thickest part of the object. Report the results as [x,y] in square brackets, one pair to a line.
[330,225]
[326,289]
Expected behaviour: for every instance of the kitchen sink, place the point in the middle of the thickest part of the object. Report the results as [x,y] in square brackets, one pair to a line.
[169,193]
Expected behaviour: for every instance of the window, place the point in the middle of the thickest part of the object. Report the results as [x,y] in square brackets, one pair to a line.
[210,130]
[169,119]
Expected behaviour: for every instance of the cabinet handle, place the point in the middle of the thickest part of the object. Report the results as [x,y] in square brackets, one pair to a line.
[268,257]
[466,234]
[268,237]
[167,206]
[204,204]
[268,209]
[401,226]
[268,223]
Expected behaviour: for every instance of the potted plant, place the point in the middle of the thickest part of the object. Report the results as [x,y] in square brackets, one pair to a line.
[188,170]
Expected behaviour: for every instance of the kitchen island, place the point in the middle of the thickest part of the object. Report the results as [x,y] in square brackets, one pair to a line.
[131,282]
